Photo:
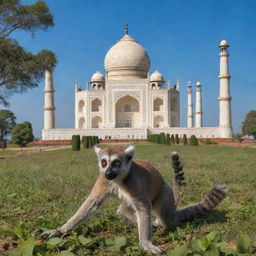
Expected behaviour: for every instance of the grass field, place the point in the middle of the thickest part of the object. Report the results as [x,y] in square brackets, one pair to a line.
[44,189]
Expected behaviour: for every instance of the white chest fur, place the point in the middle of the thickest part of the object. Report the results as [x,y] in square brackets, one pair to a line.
[122,195]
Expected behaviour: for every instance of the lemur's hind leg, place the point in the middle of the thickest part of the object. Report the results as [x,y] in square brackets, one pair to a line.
[164,208]
[128,212]
[179,181]
[210,201]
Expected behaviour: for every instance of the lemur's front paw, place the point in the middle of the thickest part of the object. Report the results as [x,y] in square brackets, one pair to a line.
[148,246]
[50,233]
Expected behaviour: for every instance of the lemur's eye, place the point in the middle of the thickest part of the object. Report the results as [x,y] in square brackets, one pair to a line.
[116,163]
[103,163]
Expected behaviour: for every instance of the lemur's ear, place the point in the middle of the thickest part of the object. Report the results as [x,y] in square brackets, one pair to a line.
[97,150]
[129,152]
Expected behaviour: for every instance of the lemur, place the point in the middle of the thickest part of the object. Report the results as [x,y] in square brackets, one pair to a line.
[142,190]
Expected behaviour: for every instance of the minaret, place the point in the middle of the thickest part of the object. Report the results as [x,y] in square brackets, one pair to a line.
[224,96]
[198,105]
[49,109]
[190,106]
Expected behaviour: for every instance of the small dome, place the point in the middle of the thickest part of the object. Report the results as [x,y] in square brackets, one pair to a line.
[97,77]
[156,76]
[198,84]
[223,43]
[127,58]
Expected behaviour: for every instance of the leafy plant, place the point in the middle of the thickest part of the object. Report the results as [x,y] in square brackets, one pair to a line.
[168,139]
[193,141]
[185,139]
[177,140]
[209,142]
[76,142]
[172,139]
[22,134]
[116,243]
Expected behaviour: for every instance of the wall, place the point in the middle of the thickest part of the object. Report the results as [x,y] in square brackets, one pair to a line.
[130,133]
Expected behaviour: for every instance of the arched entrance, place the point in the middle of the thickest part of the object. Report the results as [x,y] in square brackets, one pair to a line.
[127,112]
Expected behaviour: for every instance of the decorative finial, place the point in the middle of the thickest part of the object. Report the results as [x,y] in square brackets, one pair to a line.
[178,84]
[76,85]
[126,28]
[168,84]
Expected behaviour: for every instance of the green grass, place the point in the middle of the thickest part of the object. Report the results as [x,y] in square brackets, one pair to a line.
[45,189]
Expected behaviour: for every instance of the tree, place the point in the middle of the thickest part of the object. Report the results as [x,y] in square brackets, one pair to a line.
[7,122]
[249,124]
[22,134]
[20,69]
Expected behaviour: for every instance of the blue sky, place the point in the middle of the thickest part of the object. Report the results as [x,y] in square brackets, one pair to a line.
[181,38]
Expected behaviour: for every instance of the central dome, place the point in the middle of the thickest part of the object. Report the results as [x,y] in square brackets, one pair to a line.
[127,58]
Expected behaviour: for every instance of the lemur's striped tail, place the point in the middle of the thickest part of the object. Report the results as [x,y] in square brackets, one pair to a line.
[179,182]
[210,201]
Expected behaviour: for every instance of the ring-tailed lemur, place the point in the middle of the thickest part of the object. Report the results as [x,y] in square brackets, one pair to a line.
[142,191]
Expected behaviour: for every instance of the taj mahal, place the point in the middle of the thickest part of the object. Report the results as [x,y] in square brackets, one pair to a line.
[131,103]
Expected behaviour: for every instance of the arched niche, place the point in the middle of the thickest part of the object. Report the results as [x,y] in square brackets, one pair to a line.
[158,122]
[81,123]
[174,104]
[96,105]
[158,104]
[127,111]
[81,106]
[96,122]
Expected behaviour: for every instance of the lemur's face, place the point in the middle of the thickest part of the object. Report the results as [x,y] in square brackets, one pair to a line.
[115,161]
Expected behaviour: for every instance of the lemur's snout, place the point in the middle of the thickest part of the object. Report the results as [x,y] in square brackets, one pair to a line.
[110,174]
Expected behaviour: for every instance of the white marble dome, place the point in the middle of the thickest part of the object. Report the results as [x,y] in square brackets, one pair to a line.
[127,58]
[156,76]
[223,43]
[97,77]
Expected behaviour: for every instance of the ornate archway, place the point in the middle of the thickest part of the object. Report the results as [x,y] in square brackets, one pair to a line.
[127,111]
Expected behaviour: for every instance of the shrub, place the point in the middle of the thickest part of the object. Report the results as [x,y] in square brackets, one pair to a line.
[154,138]
[162,138]
[184,139]
[168,141]
[76,142]
[87,142]
[209,142]
[177,140]
[193,141]
[172,139]
[84,142]
[158,138]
